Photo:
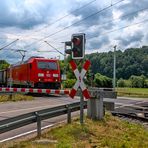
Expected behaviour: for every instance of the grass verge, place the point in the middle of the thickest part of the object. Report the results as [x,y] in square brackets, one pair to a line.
[109,133]
[133,92]
[15,97]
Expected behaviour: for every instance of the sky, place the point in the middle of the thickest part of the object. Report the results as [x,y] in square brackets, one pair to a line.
[29,23]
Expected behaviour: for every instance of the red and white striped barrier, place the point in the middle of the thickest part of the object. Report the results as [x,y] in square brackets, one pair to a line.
[32,90]
[79,76]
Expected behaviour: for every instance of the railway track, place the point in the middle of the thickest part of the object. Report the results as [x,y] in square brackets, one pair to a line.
[136,112]
[140,118]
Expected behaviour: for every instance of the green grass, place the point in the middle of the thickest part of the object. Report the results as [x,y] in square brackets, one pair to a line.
[16,97]
[108,133]
[133,92]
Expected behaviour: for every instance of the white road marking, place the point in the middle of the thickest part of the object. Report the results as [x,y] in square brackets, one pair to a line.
[24,134]
[27,109]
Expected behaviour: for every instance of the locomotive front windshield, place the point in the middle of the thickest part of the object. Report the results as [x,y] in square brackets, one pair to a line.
[48,65]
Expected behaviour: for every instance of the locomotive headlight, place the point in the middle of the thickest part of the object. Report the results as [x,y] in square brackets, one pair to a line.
[55,75]
[40,75]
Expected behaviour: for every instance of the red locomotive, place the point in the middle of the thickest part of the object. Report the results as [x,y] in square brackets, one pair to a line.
[36,72]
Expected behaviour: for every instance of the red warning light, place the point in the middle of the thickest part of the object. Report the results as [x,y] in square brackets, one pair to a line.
[76,41]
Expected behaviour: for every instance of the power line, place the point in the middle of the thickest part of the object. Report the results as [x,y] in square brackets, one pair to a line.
[87,4]
[121,28]
[46,51]
[101,26]
[102,34]
[72,24]
[9,44]
[54,48]
[84,19]
[113,30]
[59,19]
[6,56]
[76,22]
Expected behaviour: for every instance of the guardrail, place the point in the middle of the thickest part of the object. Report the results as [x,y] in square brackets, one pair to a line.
[38,116]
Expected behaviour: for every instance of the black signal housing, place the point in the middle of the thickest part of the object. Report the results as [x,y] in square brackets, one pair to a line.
[78,46]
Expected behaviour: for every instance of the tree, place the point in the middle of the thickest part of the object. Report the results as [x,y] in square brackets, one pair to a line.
[4,64]
[132,61]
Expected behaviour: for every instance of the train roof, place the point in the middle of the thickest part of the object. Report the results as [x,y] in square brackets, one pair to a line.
[41,58]
[31,59]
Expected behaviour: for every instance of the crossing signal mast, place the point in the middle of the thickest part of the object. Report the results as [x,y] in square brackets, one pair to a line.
[76,48]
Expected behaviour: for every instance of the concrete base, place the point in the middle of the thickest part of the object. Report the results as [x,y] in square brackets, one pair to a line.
[95,108]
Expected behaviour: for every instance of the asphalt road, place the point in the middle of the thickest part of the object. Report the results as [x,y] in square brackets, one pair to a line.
[11,109]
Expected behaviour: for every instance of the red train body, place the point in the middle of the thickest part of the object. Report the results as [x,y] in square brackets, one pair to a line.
[36,72]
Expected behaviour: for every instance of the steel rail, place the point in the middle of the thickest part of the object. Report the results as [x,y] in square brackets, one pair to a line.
[128,115]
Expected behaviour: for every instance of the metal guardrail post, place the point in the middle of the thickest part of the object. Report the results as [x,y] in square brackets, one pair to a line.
[38,119]
[10,96]
[68,114]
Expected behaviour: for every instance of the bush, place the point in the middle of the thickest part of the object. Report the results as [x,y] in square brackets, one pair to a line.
[121,83]
[137,81]
[102,81]
[69,83]
[146,83]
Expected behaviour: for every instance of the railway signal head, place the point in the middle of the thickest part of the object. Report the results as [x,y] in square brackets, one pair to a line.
[78,46]
[68,49]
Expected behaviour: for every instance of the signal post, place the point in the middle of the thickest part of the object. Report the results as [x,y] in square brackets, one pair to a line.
[77,51]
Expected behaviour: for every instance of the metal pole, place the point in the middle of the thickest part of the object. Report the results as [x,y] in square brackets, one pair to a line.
[38,124]
[10,76]
[64,67]
[68,114]
[81,108]
[114,68]
[22,52]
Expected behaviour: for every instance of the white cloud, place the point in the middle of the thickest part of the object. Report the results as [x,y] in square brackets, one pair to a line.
[117,14]
[32,20]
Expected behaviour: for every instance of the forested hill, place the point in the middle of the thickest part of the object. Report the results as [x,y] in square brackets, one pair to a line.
[133,61]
